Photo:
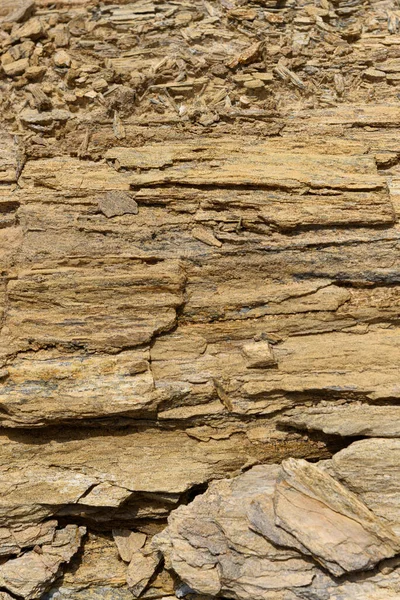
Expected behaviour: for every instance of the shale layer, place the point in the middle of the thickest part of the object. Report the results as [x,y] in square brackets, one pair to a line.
[199,299]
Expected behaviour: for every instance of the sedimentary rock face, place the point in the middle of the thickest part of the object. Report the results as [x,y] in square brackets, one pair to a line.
[199,300]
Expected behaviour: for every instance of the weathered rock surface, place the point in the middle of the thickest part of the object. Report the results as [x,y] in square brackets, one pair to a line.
[29,575]
[199,280]
[211,546]
[348,420]
[265,533]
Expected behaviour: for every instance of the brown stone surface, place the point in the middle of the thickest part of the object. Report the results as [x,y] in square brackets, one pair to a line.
[199,280]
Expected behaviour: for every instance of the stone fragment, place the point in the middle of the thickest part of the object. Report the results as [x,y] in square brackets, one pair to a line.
[370,469]
[33,29]
[36,485]
[34,73]
[13,540]
[116,203]
[21,10]
[140,570]
[35,118]
[347,420]
[264,77]
[89,387]
[254,84]
[97,569]
[32,573]
[61,36]
[62,59]
[206,236]
[16,68]
[331,522]
[259,355]
[374,74]
[128,542]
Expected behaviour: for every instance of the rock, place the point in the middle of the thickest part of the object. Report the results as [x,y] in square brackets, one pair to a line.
[78,476]
[86,388]
[34,118]
[96,574]
[31,574]
[258,355]
[16,67]
[202,234]
[368,468]
[254,84]
[114,204]
[212,548]
[128,542]
[140,570]
[62,59]
[190,278]
[32,29]
[19,11]
[348,420]
[14,540]
[374,75]
[243,538]
[331,522]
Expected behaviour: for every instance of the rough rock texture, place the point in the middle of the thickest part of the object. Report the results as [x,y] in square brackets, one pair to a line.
[265,534]
[199,286]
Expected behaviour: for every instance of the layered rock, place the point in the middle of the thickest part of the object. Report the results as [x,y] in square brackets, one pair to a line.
[199,286]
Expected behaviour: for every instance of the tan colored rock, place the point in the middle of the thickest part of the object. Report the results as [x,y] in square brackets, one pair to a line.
[62,59]
[13,540]
[33,29]
[347,420]
[128,542]
[369,469]
[338,530]
[90,470]
[84,388]
[114,204]
[374,74]
[184,268]
[142,301]
[31,574]
[259,165]
[140,570]
[210,545]
[17,11]
[16,67]
[258,355]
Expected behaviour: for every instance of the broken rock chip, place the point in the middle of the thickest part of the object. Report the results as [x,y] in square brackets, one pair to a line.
[30,574]
[347,420]
[258,355]
[116,203]
[330,521]
[141,569]
[370,468]
[128,542]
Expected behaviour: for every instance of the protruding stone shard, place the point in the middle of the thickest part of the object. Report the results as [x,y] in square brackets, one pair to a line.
[206,236]
[141,569]
[339,531]
[128,542]
[265,532]
[212,547]
[259,355]
[116,203]
[347,420]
